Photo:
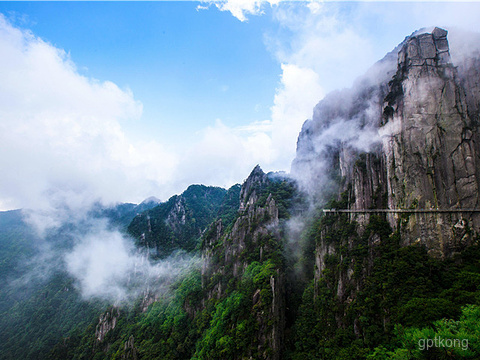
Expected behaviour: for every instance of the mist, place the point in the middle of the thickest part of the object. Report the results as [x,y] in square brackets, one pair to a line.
[106,265]
[103,261]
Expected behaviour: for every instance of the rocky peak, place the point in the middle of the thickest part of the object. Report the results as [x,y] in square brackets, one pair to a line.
[422,52]
[151,200]
[228,252]
[416,143]
[428,139]
[429,146]
[248,193]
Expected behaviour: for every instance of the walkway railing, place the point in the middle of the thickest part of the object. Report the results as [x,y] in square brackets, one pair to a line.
[367,211]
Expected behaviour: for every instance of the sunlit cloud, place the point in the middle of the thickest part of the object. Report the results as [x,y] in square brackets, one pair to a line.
[240,9]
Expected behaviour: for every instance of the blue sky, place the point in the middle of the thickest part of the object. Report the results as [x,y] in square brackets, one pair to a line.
[118,101]
[187,67]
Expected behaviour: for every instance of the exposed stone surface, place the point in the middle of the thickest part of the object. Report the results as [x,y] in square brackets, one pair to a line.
[107,322]
[431,146]
[148,298]
[248,195]
[179,222]
[344,123]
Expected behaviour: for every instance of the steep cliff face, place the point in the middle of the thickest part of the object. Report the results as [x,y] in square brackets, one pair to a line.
[344,124]
[431,145]
[398,155]
[410,140]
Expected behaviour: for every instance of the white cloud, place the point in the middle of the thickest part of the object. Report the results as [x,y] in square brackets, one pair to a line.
[324,40]
[240,8]
[102,263]
[315,47]
[224,155]
[63,147]
[60,133]
[324,46]
[299,91]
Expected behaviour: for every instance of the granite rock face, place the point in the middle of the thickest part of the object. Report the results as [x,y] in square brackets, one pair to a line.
[404,137]
[130,351]
[344,124]
[430,146]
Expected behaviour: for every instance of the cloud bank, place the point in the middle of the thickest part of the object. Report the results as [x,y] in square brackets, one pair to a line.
[63,144]
[61,138]
[62,150]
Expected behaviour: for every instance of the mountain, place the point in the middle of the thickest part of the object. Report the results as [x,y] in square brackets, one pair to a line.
[37,308]
[243,270]
[420,129]
[121,215]
[369,249]
[396,160]
[179,223]
[233,305]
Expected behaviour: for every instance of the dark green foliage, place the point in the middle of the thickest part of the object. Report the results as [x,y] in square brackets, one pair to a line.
[388,112]
[33,326]
[346,198]
[361,163]
[165,331]
[374,299]
[284,192]
[191,322]
[16,240]
[390,286]
[396,89]
[396,92]
[178,327]
[235,321]
[229,208]
[449,339]
[120,215]
[179,223]
[35,312]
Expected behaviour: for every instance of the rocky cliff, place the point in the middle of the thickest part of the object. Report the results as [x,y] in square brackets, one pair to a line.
[395,162]
[404,137]
[106,323]
[245,257]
